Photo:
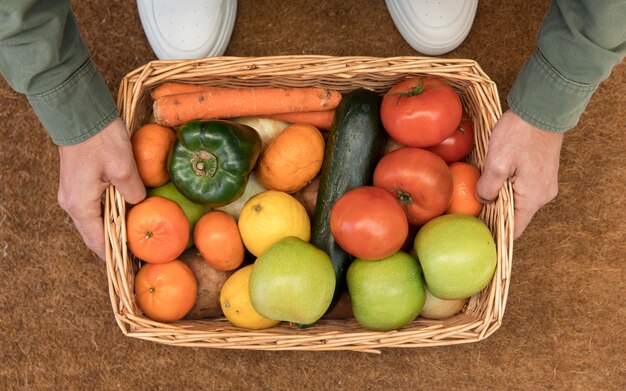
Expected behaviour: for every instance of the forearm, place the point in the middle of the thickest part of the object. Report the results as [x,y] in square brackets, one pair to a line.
[578,45]
[43,57]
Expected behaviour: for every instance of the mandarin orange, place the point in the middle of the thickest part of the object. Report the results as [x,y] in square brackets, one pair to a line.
[157,230]
[464,200]
[151,145]
[165,292]
[217,238]
[292,159]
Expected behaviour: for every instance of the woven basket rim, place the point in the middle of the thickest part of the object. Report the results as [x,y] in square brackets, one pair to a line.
[485,310]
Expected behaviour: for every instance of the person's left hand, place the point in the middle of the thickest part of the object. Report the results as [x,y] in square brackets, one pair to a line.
[87,169]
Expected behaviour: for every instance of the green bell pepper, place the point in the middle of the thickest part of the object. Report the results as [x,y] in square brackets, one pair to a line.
[211,160]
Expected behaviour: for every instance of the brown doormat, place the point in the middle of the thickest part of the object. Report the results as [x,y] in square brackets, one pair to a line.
[564,321]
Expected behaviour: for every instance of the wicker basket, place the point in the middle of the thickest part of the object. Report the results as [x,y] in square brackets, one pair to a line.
[484,311]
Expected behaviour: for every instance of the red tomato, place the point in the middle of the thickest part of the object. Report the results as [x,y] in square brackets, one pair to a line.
[419,180]
[421,112]
[368,223]
[456,147]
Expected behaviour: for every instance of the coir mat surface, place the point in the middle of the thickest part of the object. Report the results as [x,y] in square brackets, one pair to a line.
[564,321]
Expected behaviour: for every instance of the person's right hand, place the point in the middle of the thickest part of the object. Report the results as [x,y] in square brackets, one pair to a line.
[530,158]
[87,169]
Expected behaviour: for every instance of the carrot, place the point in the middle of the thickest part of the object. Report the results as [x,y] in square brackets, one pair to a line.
[173,88]
[319,119]
[214,102]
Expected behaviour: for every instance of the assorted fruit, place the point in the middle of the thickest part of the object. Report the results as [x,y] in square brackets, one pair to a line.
[270,205]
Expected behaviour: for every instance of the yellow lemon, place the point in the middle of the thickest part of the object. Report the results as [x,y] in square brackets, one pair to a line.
[236,304]
[270,216]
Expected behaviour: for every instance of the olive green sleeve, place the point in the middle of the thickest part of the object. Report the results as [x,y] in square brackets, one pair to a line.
[43,57]
[579,44]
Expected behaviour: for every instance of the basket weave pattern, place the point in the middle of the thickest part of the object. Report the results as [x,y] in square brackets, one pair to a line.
[484,312]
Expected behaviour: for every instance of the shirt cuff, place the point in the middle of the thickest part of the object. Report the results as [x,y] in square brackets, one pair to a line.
[546,99]
[77,109]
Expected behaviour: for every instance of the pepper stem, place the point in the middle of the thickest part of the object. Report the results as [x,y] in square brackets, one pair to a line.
[203,163]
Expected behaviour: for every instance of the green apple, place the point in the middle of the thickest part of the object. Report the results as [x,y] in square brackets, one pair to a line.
[457,254]
[192,210]
[292,281]
[386,294]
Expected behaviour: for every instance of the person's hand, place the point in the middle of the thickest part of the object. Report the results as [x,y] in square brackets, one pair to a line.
[530,158]
[87,169]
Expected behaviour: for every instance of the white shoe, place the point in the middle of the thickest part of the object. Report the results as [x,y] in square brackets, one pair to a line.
[433,27]
[187,29]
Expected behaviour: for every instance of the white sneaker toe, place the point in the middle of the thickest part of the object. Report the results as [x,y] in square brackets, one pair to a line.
[433,27]
[187,29]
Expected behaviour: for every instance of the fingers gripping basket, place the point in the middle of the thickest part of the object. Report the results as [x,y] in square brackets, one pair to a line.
[483,314]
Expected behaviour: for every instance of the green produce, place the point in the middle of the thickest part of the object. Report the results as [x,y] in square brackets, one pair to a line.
[292,281]
[354,146]
[458,255]
[211,160]
[386,294]
[192,210]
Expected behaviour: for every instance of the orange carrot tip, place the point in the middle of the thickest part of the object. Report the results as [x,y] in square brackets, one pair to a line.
[320,119]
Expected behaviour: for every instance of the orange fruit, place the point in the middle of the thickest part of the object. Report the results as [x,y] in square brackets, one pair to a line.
[292,159]
[463,200]
[216,236]
[167,291]
[157,230]
[151,145]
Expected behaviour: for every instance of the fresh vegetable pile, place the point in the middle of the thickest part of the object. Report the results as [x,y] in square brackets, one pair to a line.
[269,205]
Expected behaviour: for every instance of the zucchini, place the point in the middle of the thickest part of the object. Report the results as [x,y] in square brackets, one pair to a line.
[355,144]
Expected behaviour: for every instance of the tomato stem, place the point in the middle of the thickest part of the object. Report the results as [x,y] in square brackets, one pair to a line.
[404,197]
[412,91]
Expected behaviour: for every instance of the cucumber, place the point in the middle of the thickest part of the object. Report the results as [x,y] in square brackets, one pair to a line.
[355,144]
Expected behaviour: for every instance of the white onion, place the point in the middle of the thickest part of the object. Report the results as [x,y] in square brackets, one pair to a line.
[253,187]
[267,128]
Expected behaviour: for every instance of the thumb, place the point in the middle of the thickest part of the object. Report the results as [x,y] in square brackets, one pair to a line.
[128,183]
[491,180]
[120,167]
